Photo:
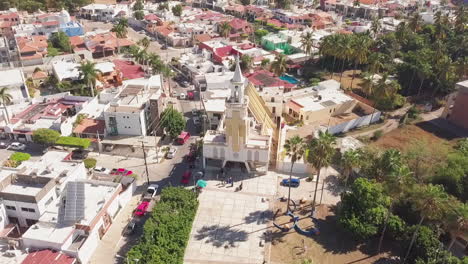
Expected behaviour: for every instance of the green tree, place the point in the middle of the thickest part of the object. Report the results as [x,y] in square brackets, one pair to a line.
[173,122]
[457,222]
[138,5]
[5,99]
[279,65]
[139,15]
[163,6]
[89,74]
[360,45]
[121,30]
[431,201]
[246,62]
[45,136]
[294,148]
[224,29]
[461,19]
[60,41]
[320,153]
[265,62]
[350,160]
[144,42]
[90,163]
[363,208]
[375,27]
[260,33]
[177,10]
[307,42]
[283,4]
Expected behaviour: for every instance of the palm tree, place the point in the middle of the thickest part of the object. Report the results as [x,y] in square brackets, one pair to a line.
[367,84]
[279,66]
[225,29]
[375,27]
[389,162]
[5,99]
[415,22]
[395,184]
[120,30]
[144,42]
[89,74]
[350,160]
[320,153]
[344,50]
[295,149]
[307,42]
[457,223]
[361,44]
[432,202]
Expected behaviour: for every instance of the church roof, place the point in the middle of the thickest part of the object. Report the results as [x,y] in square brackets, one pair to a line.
[238,77]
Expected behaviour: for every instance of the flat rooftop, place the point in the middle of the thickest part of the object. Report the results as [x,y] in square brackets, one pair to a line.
[215,105]
[11,77]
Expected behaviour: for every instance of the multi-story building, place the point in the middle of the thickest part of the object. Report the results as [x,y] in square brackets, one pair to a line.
[103,12]
[15,81]
[135,108]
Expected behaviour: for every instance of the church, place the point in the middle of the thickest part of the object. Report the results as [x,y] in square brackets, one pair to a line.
[240,139]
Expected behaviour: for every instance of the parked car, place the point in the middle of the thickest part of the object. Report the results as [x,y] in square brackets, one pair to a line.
[190,96]
[142,208]
[121,171]
[102,170]
[196,121]
[79,154]
[171,153]
[17,146]
[186,177]
[182,96]
[293,183]
[183,137]
[151,191]
[3,145]
[130,228]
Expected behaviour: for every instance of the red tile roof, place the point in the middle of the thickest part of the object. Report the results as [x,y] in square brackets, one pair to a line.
[106,41]
[76,41]
[128,69]
[238,23]
[39,75]
[222,52]
[48,256]
[203,37]
[90,126]
[267,79]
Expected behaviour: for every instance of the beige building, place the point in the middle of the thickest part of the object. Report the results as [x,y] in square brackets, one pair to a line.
[240,139]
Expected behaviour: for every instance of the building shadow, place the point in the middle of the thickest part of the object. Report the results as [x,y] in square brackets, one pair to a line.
[221,236]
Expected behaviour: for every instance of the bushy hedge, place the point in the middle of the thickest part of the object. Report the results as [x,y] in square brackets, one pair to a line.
[166,232]
[20,156]
[90,163]
[73,142]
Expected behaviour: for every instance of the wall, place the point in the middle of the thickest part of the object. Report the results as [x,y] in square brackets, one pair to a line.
[215,152]
[459,115]
[21,215]
[89,246]
[358,122]
[3,217]
[133,125]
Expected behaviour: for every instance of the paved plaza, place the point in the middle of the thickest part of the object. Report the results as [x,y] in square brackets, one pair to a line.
[229,226]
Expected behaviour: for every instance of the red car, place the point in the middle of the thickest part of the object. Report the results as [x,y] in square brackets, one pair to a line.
[186,177]
[121,171]
[141,209]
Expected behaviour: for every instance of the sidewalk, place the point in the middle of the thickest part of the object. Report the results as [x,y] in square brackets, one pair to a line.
[113,241]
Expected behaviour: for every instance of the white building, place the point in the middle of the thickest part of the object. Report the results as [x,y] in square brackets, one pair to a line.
[135,108]
[102,12]
[15,81]
[239,139]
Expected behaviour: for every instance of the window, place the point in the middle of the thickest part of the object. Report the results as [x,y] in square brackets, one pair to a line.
[272,99]
[9,207]
[273,110]
[24,209]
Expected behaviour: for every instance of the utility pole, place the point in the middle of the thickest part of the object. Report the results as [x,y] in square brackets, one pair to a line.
[146,164]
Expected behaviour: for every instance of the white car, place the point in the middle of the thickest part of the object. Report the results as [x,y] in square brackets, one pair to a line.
[17,146]
[182,96]
[151,191]
[171,153]
[101,170]
[196,121]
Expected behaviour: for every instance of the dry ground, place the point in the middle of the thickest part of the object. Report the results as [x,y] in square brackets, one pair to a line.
[424,131]
[346,79]
[331,246]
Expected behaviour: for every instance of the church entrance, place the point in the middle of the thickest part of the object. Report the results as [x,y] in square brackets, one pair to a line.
[235,166]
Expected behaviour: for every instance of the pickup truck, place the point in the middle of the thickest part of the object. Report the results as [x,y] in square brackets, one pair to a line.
[150,192]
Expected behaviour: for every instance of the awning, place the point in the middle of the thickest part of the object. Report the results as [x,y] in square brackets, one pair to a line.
[201,183]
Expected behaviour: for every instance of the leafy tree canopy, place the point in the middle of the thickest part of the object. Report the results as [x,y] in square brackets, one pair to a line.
[173,122]
[45,136]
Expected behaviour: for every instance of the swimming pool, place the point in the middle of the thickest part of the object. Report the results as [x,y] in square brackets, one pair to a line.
[289,79]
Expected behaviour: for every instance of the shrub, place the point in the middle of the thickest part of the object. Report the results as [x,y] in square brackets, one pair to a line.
[73,142]
[45,136]
[89,163]
[377,134]
[396,227]
[166,232]
[20,156]
[413,112]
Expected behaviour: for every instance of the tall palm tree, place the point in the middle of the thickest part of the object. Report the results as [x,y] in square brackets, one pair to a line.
[320,153]
[375,27]
[367,84]
[350,160]
[415,22]
[225,29]
[279,65]
[395,185]
[344,50]
[89,74]
[5,99]
[389,162]
[431,201]
[361,44]
[307,42]
[144,42]
[120,30]
[295,149]
[457,223]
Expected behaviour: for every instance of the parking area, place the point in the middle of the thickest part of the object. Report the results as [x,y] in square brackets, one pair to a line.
[35,150]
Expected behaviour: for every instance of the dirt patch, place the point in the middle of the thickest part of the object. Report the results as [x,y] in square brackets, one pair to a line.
[424,131]
[347,78]
[331,246]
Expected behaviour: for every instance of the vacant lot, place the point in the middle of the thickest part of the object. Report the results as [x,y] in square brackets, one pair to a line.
[331,246]
[347,78]
[402,137]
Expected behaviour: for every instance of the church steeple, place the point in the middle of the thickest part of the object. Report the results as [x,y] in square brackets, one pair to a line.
[237,84]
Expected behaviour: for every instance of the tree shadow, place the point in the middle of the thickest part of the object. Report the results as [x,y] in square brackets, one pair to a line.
[333,185]
[261,217]
[221,236]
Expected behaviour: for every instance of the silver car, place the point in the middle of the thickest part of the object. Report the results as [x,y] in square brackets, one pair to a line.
[171,153]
